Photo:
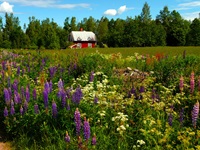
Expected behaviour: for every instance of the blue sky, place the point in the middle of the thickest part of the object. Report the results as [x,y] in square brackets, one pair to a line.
[60,9]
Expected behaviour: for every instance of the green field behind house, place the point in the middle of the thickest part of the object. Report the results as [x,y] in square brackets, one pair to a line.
[192,50]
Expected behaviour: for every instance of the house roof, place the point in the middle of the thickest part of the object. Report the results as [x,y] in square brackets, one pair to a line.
[82,36]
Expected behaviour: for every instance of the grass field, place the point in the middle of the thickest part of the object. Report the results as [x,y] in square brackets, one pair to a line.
[192,50]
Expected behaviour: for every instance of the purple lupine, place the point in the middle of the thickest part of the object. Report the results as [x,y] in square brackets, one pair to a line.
[34,94]
[67,137]
[25,106]
[15,85]
[6,96]
[86,129]
[77,95]
[36,109]
[45,98]
[5,112]
[94,140]
[170,119]
[181,84]
[27,94]
[96,100]
[19,98]
[12,110]
[21,110]
[91,76]
[3,65]
[142,89]
[77,120]
[18,70]
[22,92]
[132,92]
[50,86]
[9,84]
[63,98]
[195,114]
[192,83]
[12,103]
[60,84]
[181,116]
[54,109]
[16,98]
[46,87]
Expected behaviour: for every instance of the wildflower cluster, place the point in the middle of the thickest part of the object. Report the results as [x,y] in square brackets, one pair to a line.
[121,121]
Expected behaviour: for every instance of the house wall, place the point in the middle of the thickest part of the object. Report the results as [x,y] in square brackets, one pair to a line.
[86,44]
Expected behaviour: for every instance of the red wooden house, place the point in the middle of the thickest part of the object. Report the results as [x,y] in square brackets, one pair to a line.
[82,39]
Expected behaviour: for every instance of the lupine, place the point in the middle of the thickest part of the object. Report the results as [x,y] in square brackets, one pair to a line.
[46,87]
[19,98]
[96,100]
[192,83]
[50,86]
[199,84]
[18,70]
[195,113]
[54,109]
[5,112]
[25,106]
[22,92]
[21,110]
[170,119]
[67,137]
[91,76]
[12,103]
[181,116]
[94,140]
[16,98]
[34,94]
[77,95]
[27,94]
[6,96]
[9,85]
[12,110]
[60,84]
[15,85]
[36,109]
[77,120]
[63,98]
[181,84]
[142,89]
[86,129]
[45,98]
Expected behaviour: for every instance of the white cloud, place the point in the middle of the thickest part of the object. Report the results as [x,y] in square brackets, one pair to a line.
[121,9]
[110,12]
[190,16]
[48,3]
[5,7]
[114,12]
[188,5]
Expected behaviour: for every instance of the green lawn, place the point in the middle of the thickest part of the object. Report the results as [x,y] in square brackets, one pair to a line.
[194,50]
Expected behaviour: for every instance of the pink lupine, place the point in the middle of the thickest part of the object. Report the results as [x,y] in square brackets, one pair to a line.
[192,83]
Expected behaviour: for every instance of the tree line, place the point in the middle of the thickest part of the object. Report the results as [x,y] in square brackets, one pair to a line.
[168,29]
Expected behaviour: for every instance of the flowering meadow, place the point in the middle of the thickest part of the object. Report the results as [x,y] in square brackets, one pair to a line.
[100,101]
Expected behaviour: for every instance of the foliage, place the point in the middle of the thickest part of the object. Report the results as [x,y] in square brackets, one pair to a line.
[139,101]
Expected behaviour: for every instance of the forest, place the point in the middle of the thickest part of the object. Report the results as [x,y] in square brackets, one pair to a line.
[169,28]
